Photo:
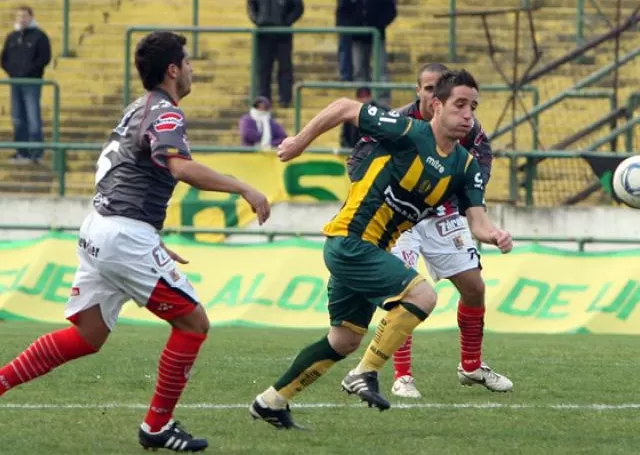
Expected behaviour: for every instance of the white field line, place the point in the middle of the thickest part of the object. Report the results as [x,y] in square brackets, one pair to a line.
[213,406]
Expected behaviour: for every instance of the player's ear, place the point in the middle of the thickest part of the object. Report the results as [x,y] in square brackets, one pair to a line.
[436,104]
[173,71]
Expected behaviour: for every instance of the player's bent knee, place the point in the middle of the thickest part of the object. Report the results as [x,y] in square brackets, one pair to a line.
[343,340]
[91,326]
[197,321]
[471,287]
[423,296]
[475,288]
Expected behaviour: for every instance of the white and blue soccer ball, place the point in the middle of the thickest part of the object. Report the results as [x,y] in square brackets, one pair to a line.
[626,181]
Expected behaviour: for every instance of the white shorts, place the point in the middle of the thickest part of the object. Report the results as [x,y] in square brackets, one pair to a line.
[120,260]
[445,243]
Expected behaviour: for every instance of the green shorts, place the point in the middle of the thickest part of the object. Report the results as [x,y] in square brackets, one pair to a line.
[363,277]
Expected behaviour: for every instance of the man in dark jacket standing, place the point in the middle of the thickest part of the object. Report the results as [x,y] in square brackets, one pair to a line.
[272,47]
[25,54]
[346,17]
[378,14]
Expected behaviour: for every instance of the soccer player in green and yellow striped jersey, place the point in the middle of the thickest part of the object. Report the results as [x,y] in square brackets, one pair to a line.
[414,167]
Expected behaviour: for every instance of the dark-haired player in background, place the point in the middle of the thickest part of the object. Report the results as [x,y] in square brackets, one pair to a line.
[120,251]
[445,243]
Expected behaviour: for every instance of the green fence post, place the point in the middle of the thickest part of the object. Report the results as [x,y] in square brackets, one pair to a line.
[613,106]
[452,31]
[297,102]
[126,89]
[377,62]
[62,170]
[65,28]
[534,120]
[530,173]
[580,24]
[513,179]
[55,122]
[55,137]
[194,21]
[581,243]
[254,59]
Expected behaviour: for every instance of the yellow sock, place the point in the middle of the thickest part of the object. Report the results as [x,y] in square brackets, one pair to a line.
[392,331]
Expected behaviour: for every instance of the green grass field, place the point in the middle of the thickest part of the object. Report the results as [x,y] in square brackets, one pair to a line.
[94,405]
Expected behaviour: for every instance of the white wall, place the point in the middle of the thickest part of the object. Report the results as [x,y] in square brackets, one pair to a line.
[608,222]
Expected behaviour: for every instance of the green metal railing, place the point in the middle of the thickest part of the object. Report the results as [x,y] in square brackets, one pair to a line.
[531,157]
[377,46]
[626,129]
[55,115]
[580,23]
[452,32]
[592,78]
[271,235]
[66,24]
[55,120]
[402,86]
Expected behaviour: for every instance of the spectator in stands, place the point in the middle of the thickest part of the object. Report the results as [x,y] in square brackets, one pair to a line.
[350,134]
[258,128]
[378,14]
[272,47]
[345,17]
[25,54]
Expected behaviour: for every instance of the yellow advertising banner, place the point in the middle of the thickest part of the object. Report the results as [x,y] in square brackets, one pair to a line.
[310,178]
[283,284]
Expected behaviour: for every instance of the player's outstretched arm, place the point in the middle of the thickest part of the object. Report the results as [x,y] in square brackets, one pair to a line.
[206,179]
[484,230]
[336,113]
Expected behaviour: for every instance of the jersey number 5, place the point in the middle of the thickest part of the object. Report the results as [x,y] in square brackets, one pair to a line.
[104,162]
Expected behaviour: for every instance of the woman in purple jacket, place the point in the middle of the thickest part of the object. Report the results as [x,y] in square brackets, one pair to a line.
[257,128]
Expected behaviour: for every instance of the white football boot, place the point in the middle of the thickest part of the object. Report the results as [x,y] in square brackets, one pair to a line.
[405,387]
[485,376]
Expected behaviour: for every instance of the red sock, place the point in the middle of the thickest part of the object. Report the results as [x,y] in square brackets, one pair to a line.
[471,323]
[402,359]
[173,373]
[46,353]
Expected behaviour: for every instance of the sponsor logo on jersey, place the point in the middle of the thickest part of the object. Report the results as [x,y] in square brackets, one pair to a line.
[160,256]
[75,291]
[424,186]
[175,275]
[162,104]
[410,258]
[169,121]
[404,208]
[450,224]
[434,163]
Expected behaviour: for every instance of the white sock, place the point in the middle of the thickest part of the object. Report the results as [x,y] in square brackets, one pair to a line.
[147,429]
[270,398]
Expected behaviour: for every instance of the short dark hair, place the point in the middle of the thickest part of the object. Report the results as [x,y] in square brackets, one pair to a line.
[450,79]
[154,53]
[26,9]
[434,67]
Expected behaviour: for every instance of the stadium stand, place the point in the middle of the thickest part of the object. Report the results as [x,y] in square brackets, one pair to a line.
[91,81]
